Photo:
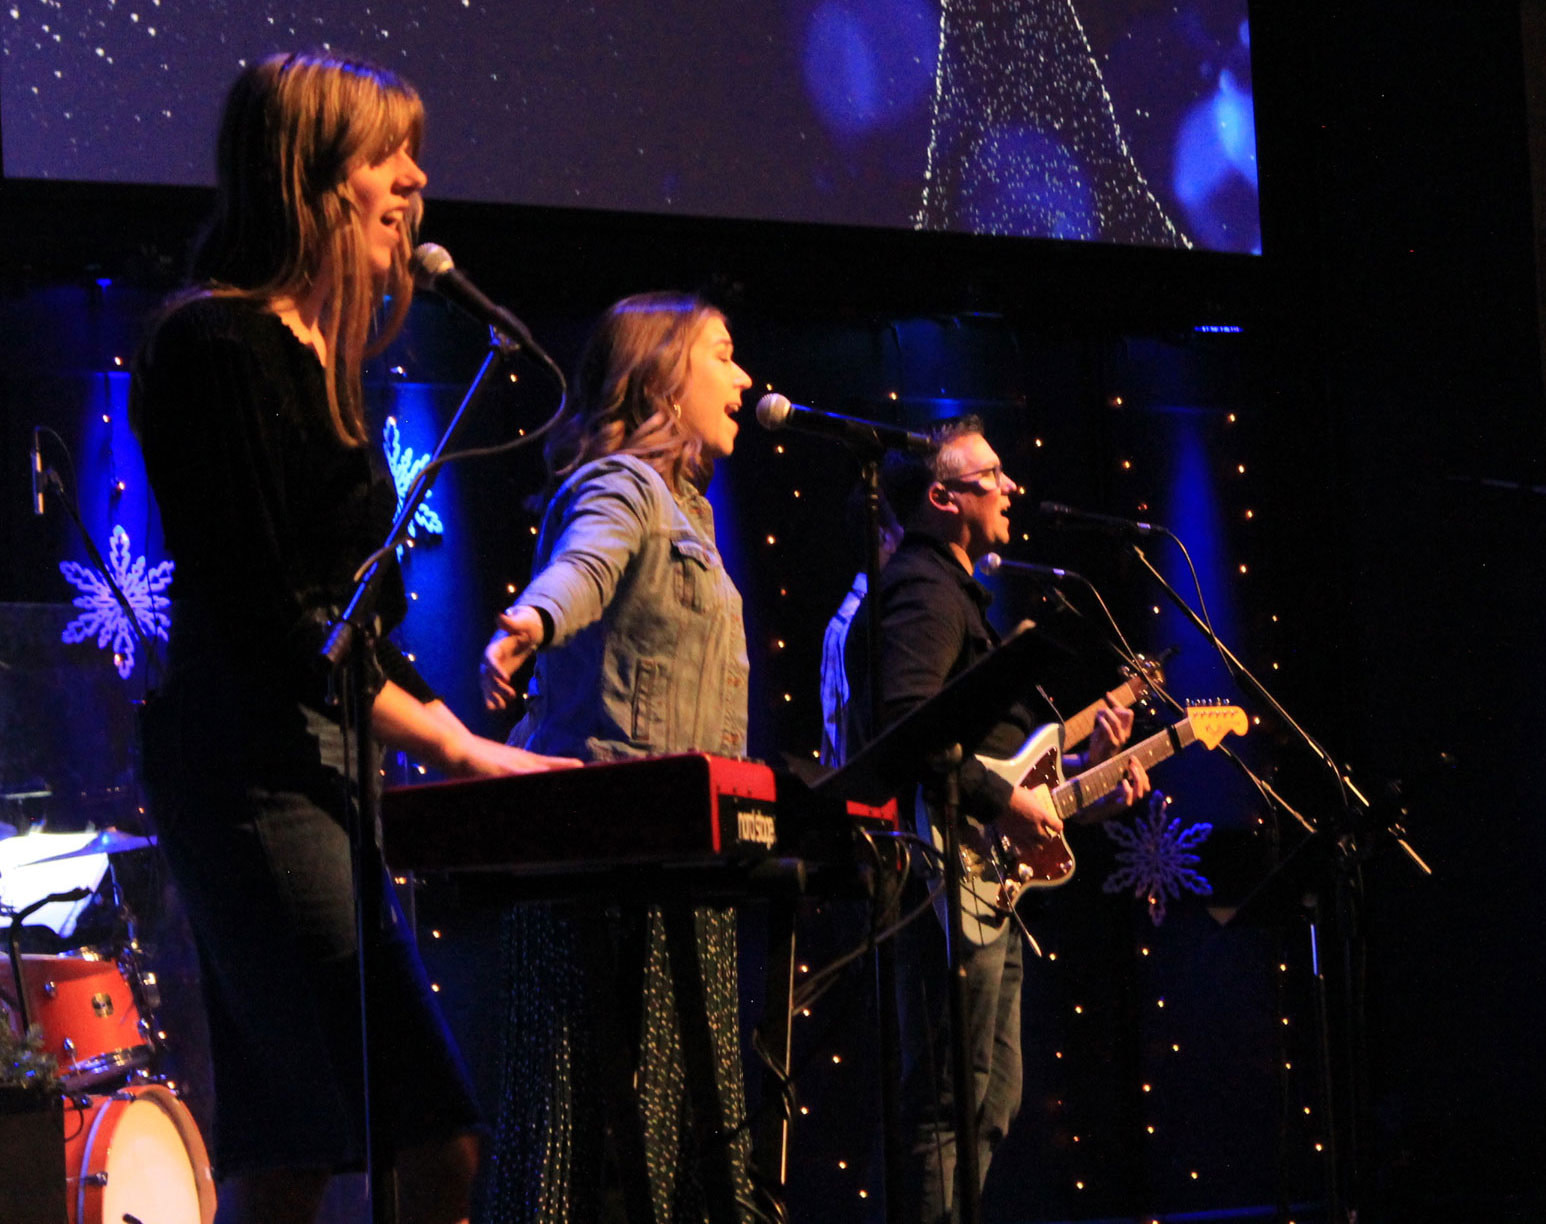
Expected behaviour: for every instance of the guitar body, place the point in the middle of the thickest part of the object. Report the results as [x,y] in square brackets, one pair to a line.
[993,876]
[1039,762]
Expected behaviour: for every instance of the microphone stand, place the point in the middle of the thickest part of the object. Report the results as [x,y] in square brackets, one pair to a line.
[946,765]
[350,642]
[1346,855]
[887,894]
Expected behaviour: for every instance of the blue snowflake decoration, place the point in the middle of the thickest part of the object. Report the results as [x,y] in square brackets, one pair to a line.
[1156,859]
[101,613]
[405,469]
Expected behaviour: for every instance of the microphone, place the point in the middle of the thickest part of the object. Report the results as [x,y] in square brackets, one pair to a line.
[992,563]
[433,269]
[1067,516]
[39,479]
[774,411]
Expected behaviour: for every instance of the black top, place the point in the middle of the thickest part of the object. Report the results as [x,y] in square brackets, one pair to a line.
[933,626]
[267,512]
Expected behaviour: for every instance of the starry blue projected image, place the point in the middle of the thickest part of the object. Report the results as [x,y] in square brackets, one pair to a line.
[1090,120]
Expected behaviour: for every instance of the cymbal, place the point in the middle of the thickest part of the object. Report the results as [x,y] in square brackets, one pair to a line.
[108,841]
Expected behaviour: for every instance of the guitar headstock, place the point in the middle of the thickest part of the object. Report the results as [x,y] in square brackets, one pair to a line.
[1211,723]
[1143,674]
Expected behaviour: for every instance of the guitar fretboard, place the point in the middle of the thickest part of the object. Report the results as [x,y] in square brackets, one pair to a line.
[1095,783]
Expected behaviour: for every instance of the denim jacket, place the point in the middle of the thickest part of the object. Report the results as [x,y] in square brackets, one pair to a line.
[648,651]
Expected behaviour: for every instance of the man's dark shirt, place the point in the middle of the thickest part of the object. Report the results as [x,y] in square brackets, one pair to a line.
[933,626]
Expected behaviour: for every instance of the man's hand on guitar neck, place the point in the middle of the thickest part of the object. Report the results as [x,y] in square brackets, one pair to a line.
[1113,728]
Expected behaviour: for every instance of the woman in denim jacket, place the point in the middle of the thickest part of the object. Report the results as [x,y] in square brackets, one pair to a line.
[640,652]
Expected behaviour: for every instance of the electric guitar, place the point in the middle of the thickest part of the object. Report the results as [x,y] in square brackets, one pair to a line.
[1132,691]
[994,874]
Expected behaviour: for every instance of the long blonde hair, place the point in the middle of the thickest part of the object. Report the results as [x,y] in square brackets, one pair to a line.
[294,128]
[633,367]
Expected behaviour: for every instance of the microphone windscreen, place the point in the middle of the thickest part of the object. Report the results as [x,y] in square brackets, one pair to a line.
[429,263]
[773,410]
[988,563]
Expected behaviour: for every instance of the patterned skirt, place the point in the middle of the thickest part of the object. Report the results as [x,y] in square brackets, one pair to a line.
[621,1077]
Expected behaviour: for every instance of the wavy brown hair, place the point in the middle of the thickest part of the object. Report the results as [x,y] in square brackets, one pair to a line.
[633,366]
[294,128]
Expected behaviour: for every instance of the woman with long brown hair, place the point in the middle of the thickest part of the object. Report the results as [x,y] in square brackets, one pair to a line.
[640,651]
[247,400]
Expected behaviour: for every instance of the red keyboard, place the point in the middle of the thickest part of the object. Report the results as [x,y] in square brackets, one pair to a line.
[691,808]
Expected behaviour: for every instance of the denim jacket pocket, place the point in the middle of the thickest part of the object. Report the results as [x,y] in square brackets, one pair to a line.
[651,698]
[691,571]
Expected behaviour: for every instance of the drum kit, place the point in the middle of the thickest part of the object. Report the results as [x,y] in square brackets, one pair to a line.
[133,1151]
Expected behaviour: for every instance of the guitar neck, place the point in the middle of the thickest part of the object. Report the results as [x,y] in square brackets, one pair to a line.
[1094,784]
[1079,728]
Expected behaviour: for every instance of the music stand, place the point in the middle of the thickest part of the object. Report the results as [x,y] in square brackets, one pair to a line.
[963,712]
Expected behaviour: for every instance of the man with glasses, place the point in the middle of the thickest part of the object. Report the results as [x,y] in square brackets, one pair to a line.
[954,507]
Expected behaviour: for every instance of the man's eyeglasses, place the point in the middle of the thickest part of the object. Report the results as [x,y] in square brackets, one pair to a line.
[974,479]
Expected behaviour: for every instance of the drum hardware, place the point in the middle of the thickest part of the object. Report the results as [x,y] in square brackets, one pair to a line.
[108,841]
[137,1155]
[133,1152]
[89,1015]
